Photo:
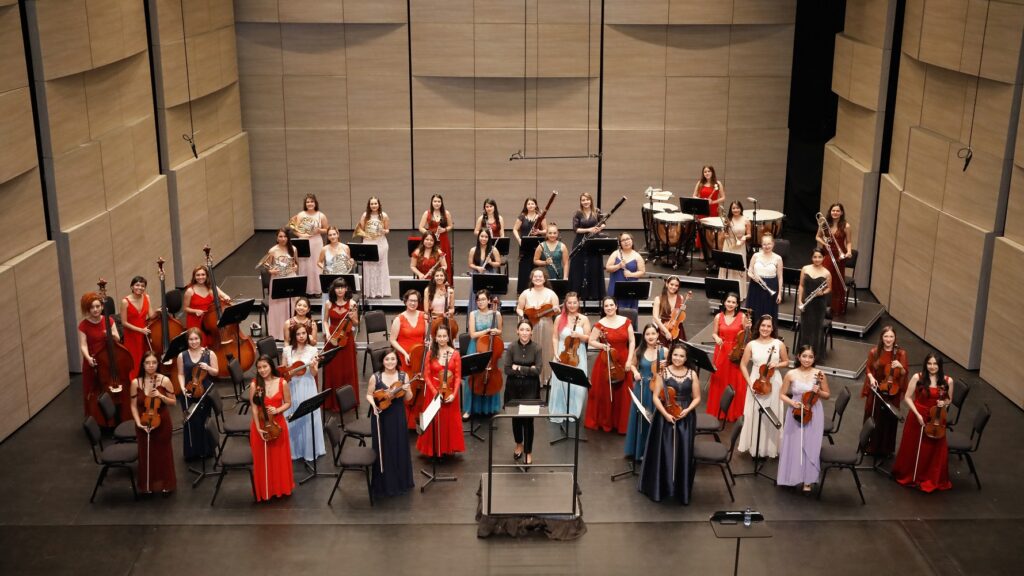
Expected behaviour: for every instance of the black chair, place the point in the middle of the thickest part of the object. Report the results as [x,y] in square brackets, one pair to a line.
[357,429]
[781,247]
[349,458]
[236,456]
[718,454]
[115,456]
[708,424]
[375,322]
[174,301]
[633,316]
[963,445]
[268,346]
[960,392]
[239,385]
[838,457]
[850,281]
[123,432]
[377,359]
[228,424]
[832,426]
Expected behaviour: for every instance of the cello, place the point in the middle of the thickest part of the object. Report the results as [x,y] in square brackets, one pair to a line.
[417,363]
[164,329]
[229,341]
[114,362]
[489,381]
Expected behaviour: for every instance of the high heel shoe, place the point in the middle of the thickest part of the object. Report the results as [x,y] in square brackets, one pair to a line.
[516,455]
[529,459]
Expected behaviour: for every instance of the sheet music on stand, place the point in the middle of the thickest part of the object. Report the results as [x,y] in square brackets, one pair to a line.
[529,409]
[430,412]
[647,414]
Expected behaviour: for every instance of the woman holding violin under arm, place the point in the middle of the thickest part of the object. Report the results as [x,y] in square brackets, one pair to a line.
[608,405]
[443,374]
[923,458]
[887,375]
[151,394]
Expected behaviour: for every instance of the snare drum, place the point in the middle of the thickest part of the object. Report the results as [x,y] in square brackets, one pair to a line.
[711,231]
[767,221]
[672,227]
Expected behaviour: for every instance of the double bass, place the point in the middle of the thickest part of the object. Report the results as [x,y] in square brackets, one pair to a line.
[114,362]
[489,381]
[229,341]
[163,329]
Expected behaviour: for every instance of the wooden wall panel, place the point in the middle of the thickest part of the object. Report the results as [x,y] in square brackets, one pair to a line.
[635,51]
[763,12]
[375,11]
[46,368]
[973,195]
[945,95]
[13,392]
[859,133]
[12,55]
[90,257]
[700,12]
[1014,228]
[17,133]
[498,50]
[241,188]
[869,69]
[761,50]
[62,44]
[842,65]
[311,11]
[926,166]
[1000,359]
[912,264]
[562,103]
[989,122]
[1002,42]
[78,176]
[445,154]
[307,49]
[443,102]
[21,198]
[870,22]
[942,32]
[884,251]
[913,19]
[378,102]
[754,102]
[187,183]
[636,11]
[698,50]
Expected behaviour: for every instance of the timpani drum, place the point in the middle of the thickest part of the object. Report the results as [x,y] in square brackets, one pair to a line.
[647,211]
[711,232]
[672,227]
[767,221]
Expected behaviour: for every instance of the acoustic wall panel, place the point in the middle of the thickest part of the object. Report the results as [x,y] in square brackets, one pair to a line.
[1000,357]
[913,261]
[884,250]
[13,391]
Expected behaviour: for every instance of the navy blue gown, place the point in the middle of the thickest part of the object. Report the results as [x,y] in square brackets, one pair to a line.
[393,451]
[196,441]
[658,480]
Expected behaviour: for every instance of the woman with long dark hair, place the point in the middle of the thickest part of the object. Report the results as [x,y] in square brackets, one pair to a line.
[374,226]
[437,221]
[922,461]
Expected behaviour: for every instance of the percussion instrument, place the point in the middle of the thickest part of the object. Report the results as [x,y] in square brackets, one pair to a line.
[767,221]
[671,228]
[711,232]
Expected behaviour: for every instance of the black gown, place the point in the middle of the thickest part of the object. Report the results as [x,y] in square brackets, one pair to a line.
[812,319]
[196,442]
[396,477]
[663,452]
[525,260]
[584,265]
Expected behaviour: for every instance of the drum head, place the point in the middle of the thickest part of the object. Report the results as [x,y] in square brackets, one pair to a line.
[673,217]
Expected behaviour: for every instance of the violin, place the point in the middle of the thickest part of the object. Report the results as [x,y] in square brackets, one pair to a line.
[763,383]
[114,362]
[417,362]
[150,417]
[570,353]
[446,381]
[164,328]
[675,323]
[297,368]
[935,424]
[890,386]
[668,393]
[489,381]
[742,337]
[383,398]
[194,387]
[340,334]
[453,326]
[228,341]
[808,399]
[536,313]
[266,421]
[616,369]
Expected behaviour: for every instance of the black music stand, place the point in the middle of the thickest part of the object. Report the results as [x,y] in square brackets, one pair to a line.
[176,346]
[327,279]
[699,358]
[718,288]
[474,364]
[289,288]
[730,524]
[302,247]
[696,207]
[187,416]
[504,245]
[560,288]
[763,411]
[633,469]
[412,243]
[598,246]
[308,407]
[236,314]
[568,375]
[419,285]
[729,260]
[633,290]
[363,253]
[495,284]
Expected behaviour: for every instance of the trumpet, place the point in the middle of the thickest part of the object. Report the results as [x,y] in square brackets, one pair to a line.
[761,283]
[814,294]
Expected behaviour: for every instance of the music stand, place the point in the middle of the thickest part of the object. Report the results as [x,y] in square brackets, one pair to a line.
[729,524]
[176,346]
[289,288]
[504,245]
[235,315]
[433,475]
[474,364]
[412,243]
[526,250]
[762,412]
[363,253]
[568,375]
[728,260]
[718,288]
[633,290]
[308,407]
[636,406]
[302,247]
[560,288]
[187,416]
[695,207]
[699,358]
[495,284]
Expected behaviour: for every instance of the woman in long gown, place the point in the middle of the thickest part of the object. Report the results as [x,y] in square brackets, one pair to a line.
[667,306]
[407,331]
[310,224]
[156,455]
[136,312]
[335,257]
[392,474]
[342,369]
[490,219]
[768,349]
[736,234]
[565,397]
[812,313]
[551,254]
[710,188]
[526,222]
[92,337]
[198,299]
[447,422]
[281,262]
[302,317]
[727,325]
[841,250]
[196,360]
[425,257]
[650,357]
[586,272]
[765,266]
[608,405]
[483,257]
[482,322]
[522,373]
[374,226]
[800,453]
[537,296]
[885,355]
[303,387]
[437,221]
[923,462]
[669,469]
[625,265]
[439,299]
[271,459]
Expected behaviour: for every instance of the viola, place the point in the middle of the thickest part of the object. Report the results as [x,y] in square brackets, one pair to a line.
[417,362]
[675,323]
[384,398]
[164,328]
[150,416]
[935,424]
[194,387]
[534,314]
[114,362]
[267,422]
[763,384]
[489,381]
[570,353]
[227,340]
[742,337]
[808,399]
[890,386]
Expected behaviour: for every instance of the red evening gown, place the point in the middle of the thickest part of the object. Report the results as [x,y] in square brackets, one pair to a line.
[838,303]
[449,435]
[933,464]
[883,441]
[608,409]
[727,373]
[445,244]
[92,388]
[710,194]
[156,455]
[134,341]
[203,303]
[408,337]
[341,370]
[272,459]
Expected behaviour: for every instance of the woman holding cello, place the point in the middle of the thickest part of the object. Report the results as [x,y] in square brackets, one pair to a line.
[923,458]
[269,399]
[196,368]
[484,323]
[386,393]
[442,374]
[341,322]
[136,312]
[198,298]
[522,373]
[802,424]
[92,341]
[151,394]
[764,355]
[572,331]
[408,330]
[731,327]
[609,404]
[668,462]
[887,375]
